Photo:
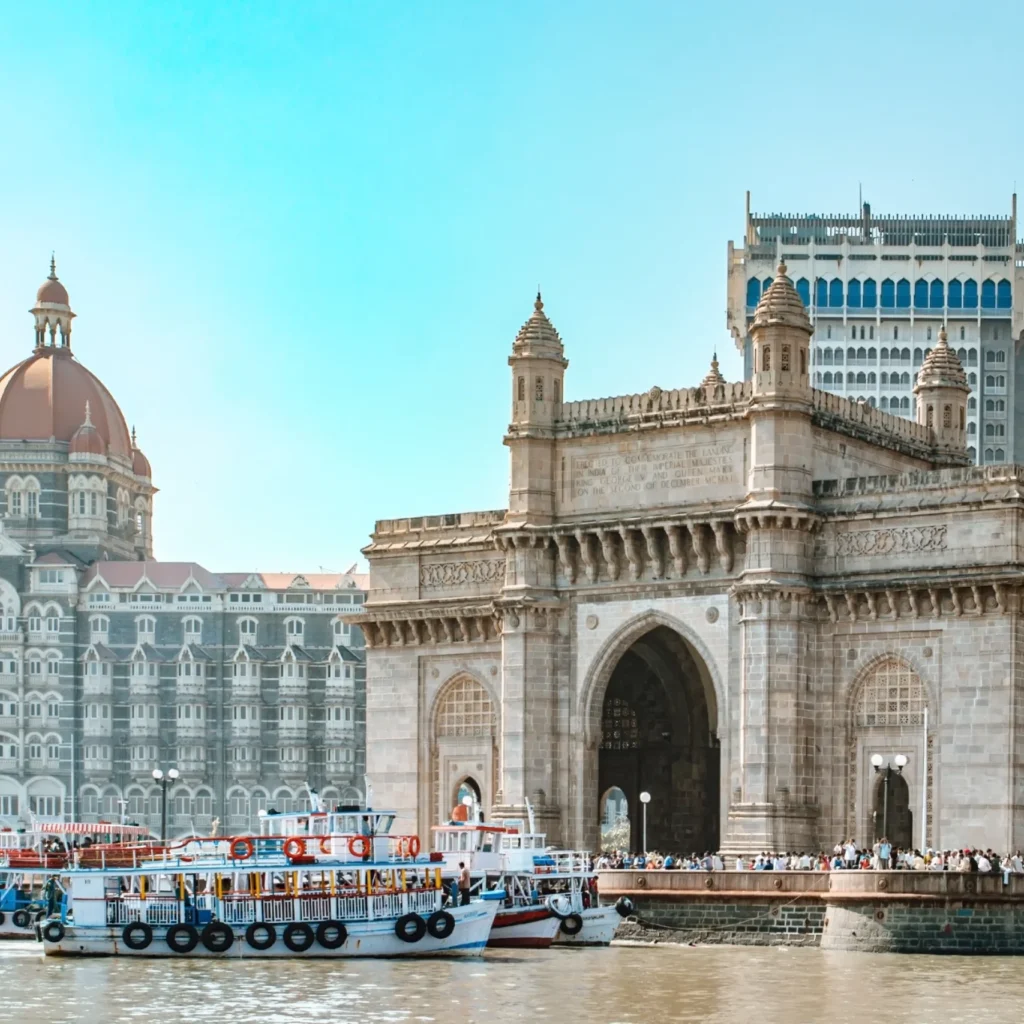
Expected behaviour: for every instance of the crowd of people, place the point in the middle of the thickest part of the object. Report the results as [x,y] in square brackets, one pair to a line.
[846,855]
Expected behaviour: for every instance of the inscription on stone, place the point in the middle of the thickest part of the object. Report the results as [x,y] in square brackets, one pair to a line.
[660,474]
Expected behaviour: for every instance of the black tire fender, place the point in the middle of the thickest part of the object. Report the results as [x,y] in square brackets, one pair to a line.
[572,924]
[217,937]
[298,936]
[331,934]
[52,931]
[137,935]
[440,924]
[410,928]
[257,929]
[182,938]
[22,918]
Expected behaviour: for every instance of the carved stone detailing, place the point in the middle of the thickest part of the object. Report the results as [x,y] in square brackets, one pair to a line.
[655,553]
[462,574]
[724,544]
[611,559]
[632,549]
[898,540]
[587,554]
[701,547]
[676,549]
[985,598]
[565,556]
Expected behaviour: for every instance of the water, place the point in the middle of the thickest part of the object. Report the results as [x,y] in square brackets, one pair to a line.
[586,986]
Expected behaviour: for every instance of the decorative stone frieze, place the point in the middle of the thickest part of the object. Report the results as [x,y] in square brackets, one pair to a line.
[438,575]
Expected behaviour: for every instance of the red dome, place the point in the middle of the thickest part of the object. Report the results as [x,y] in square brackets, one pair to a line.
[87,441]
[43,398]
[52,291]
[140,465]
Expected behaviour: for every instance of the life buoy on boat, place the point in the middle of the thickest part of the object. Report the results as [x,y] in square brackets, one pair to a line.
[182,938]
[409,846]
[241,848]
[260,936]
[294,847]
[331,934]
[572,925]
[440,924]
[21,919]
[217,937]
[410,928]
[298,936]
[53,931]
[325,845]
[137,935]
[359,846]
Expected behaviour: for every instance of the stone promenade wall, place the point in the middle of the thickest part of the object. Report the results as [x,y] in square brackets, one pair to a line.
[865,911]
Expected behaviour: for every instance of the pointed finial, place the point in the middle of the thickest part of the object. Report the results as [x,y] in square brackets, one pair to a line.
[942,335]
[539,303]
[134,445]
[53,266]
[88,418]
[782,268]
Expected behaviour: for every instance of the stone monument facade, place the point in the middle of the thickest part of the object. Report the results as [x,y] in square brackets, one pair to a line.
[731,596]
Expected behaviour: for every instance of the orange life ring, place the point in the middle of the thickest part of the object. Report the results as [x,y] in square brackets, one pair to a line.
[241,848]
[412,846]
[363,844]
[325,845]
[294,847]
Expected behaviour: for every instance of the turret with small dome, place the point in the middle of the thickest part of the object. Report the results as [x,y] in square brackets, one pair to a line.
[942,391]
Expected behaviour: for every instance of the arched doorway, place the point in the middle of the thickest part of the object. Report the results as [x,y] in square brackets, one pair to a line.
[892,816]
[469,796]
[614,820]
[658,736]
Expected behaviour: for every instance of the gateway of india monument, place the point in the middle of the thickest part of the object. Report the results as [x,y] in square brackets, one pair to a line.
[737,597]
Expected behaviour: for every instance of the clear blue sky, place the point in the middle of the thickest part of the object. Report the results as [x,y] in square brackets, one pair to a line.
[300,238]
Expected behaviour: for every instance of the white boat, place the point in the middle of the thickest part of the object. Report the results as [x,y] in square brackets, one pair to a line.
[551,895]
[309,894]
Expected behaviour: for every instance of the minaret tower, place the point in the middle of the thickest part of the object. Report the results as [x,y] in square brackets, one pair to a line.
[538,368]
[52,313]
[942,391]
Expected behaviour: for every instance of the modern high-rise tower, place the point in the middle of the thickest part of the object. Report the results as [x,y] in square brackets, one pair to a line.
[878,290]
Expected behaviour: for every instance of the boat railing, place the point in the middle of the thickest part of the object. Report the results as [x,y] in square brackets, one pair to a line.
[243,909]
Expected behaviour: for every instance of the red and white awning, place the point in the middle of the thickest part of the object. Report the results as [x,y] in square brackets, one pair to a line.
[91,828]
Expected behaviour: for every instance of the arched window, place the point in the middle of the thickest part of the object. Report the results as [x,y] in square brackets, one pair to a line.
[947,416]
[970,294]
[904,405]
[146,626]
[803,289]
[1003,298]
[839,357]
[766,358]
[835,292]
[972,453]
[99,628]
[956,296]
[892,695]
[853,293]
[465,709]
[870,294]
[826,357]
[972,429]
[884,404]
[753,291]
[902,293]
[862,378]
[248,630]
[1000,455]
[921,294]
[295,628]
[888,294]
[821,292]
[828,379]
[935,296]
[521,390]
[988,294]
[193,629]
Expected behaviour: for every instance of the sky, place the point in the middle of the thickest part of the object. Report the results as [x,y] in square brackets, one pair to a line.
[300,239]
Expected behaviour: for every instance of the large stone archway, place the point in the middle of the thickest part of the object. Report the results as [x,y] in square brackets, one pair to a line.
[656,732]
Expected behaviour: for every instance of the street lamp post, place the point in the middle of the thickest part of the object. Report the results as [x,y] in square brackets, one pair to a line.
[877,761]
[164,779]
[645,799]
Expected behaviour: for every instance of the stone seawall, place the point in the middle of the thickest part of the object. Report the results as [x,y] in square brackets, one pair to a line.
[865,911]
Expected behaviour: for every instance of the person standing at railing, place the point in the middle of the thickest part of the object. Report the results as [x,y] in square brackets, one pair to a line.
[465,884]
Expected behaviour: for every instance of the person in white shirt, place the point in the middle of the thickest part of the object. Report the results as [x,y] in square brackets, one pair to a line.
[850,853]
[984,864]
[740,866]
[805,862]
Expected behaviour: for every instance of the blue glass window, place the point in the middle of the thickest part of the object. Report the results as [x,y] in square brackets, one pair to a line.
[903,293]
[753,291]
[920,294]
[766,284]
[988,295]
[1003,294]
[821,292]
[888,294]
[835,292]
[853,293]
[970,294]
[935,291]
[870,294]
[956,295]
[803,289]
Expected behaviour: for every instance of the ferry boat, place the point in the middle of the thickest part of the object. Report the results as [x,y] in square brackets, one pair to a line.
[551,895]
[288,892]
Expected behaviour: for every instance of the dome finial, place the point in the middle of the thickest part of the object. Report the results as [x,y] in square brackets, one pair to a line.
[782,268]
[134,445]
[538,304]
[53,266]
[88,419]
[942,335]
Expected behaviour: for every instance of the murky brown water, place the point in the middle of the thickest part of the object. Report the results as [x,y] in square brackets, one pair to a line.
[606,986]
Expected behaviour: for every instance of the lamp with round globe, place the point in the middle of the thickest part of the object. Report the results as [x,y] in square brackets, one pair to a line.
[886,771]
[645,799]
[164,778]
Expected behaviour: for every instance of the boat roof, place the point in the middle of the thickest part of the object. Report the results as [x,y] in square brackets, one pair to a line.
[86,828]
[471,827]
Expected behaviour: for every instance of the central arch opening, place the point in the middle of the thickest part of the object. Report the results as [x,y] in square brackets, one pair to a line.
[658,736]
